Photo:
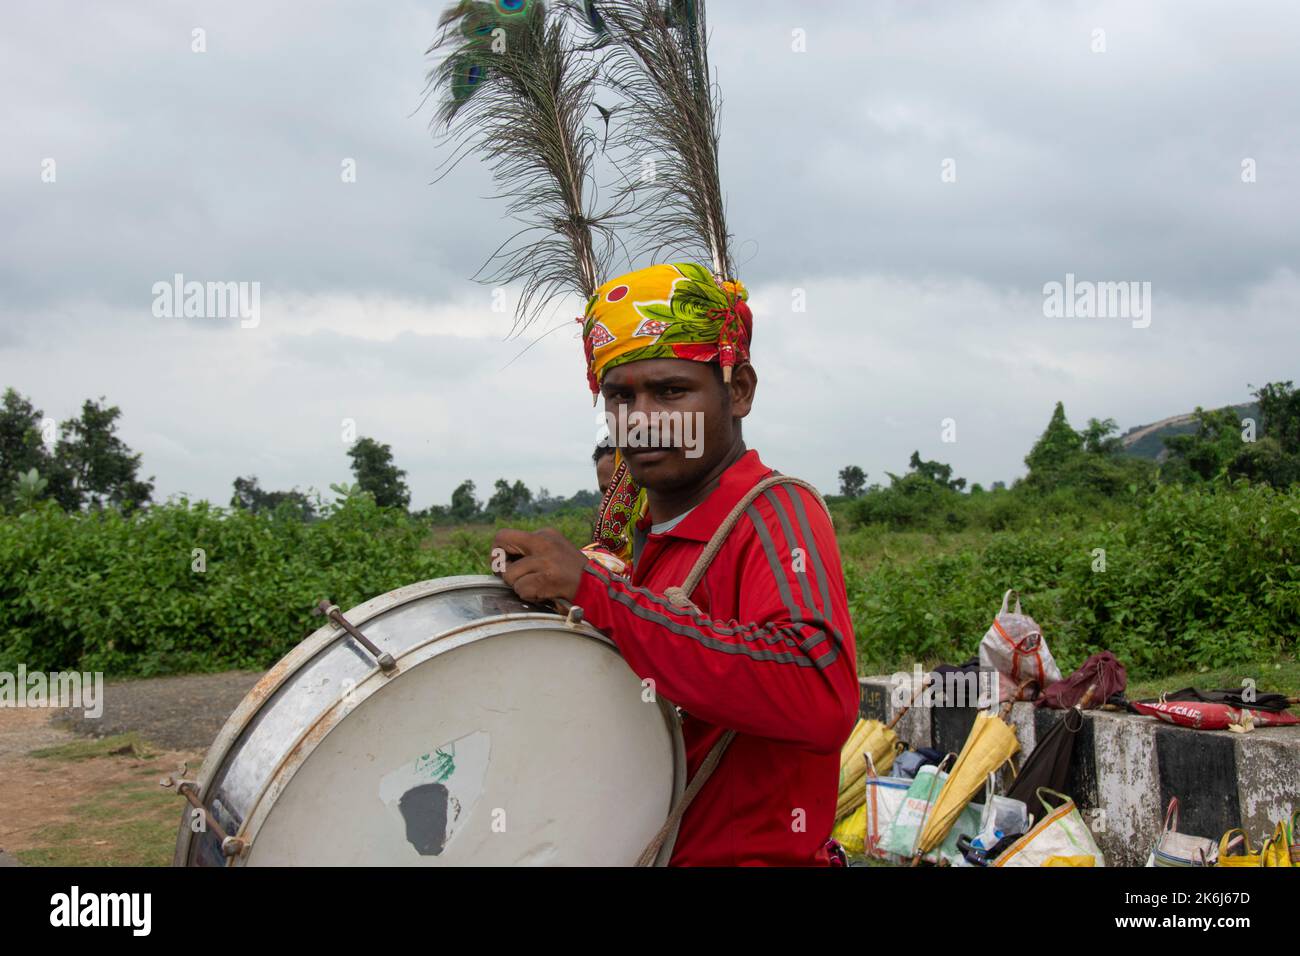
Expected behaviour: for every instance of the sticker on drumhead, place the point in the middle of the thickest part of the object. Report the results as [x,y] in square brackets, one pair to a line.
[436,791]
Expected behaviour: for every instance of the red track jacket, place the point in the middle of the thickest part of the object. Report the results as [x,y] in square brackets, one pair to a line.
[771,655]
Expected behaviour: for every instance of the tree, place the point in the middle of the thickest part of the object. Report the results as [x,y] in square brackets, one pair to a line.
[935,471]
[852,481]
[1221,447]
[29,488]
[464,506]
[1275,456]
[1206,453]
[1058,443]
[434,514]
[509,500]
[1100,437]
[372,464]
[927,496]
[583,500]
[1279,411]
[249,496]
[1090,460]
[93,467]
[21,447]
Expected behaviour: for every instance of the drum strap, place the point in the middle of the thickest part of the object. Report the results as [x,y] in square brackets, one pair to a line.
[681,597]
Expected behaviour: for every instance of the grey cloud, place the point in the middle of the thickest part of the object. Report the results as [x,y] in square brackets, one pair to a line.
[226,166]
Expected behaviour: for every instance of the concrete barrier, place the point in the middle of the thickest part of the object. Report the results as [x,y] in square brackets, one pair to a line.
[1126,768]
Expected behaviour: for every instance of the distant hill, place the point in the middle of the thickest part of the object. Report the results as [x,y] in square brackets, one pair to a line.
[1148,441]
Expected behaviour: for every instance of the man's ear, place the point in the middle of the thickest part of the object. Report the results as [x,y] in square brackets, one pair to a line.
[744,381]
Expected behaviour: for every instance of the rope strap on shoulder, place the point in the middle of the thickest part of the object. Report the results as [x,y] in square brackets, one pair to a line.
[681,596]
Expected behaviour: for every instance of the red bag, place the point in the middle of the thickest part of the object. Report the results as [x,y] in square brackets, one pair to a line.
[1205,716]
[1102,672]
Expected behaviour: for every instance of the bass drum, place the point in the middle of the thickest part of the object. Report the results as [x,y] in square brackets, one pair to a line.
[499,734]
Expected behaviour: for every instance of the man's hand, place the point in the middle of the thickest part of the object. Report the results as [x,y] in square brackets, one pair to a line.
[543,566]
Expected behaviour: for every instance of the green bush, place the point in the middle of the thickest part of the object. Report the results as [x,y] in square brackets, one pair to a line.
[104,591]
[912,502]
[1192,578]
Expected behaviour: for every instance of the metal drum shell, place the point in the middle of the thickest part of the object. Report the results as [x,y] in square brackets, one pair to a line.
[301,699]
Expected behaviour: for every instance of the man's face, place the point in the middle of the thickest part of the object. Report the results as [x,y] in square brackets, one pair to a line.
[676,402]
[604,471]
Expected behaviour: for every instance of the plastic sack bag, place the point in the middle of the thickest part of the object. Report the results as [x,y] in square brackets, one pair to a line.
[1180,849]
[900,840]
[1293,837]
[1276,852]
[1229,844]
[998,816]
[1014,647]
[885,795]
[1061,832]
[1001,814]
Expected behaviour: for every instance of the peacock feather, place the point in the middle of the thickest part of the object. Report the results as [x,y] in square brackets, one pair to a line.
[514,88]
[656,55]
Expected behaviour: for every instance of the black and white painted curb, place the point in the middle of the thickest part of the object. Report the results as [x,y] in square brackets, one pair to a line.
[1126,767]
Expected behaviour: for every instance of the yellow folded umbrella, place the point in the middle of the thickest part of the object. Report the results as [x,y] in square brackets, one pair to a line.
[875,739]
[882,747]
[868,737]
[990,744]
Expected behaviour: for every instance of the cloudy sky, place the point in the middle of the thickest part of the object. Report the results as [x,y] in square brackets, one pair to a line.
[916,175]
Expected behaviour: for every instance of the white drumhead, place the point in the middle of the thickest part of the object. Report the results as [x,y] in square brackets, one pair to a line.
[534,746]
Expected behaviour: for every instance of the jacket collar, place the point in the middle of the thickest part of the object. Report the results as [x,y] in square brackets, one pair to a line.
[705,517]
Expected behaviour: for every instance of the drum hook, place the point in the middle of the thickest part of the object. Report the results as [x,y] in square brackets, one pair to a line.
[572,613]
[230,846]
[332,612]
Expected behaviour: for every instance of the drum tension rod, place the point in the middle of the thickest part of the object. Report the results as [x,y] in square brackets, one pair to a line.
[331,611]
[230,846]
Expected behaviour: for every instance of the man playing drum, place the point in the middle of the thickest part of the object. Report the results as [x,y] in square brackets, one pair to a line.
[764,647]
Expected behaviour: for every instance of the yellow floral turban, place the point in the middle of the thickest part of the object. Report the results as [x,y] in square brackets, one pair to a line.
[674,310]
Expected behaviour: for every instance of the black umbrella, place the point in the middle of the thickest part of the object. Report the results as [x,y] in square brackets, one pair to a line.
[1234,697]
[1048,764]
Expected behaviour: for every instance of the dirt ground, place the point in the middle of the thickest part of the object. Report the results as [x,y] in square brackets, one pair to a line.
[78,791]
[179,713]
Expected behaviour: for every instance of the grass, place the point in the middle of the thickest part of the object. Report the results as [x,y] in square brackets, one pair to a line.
[859,859]
[119,745]
[868,548]
[132,823]
[1282,677]
[145,840]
